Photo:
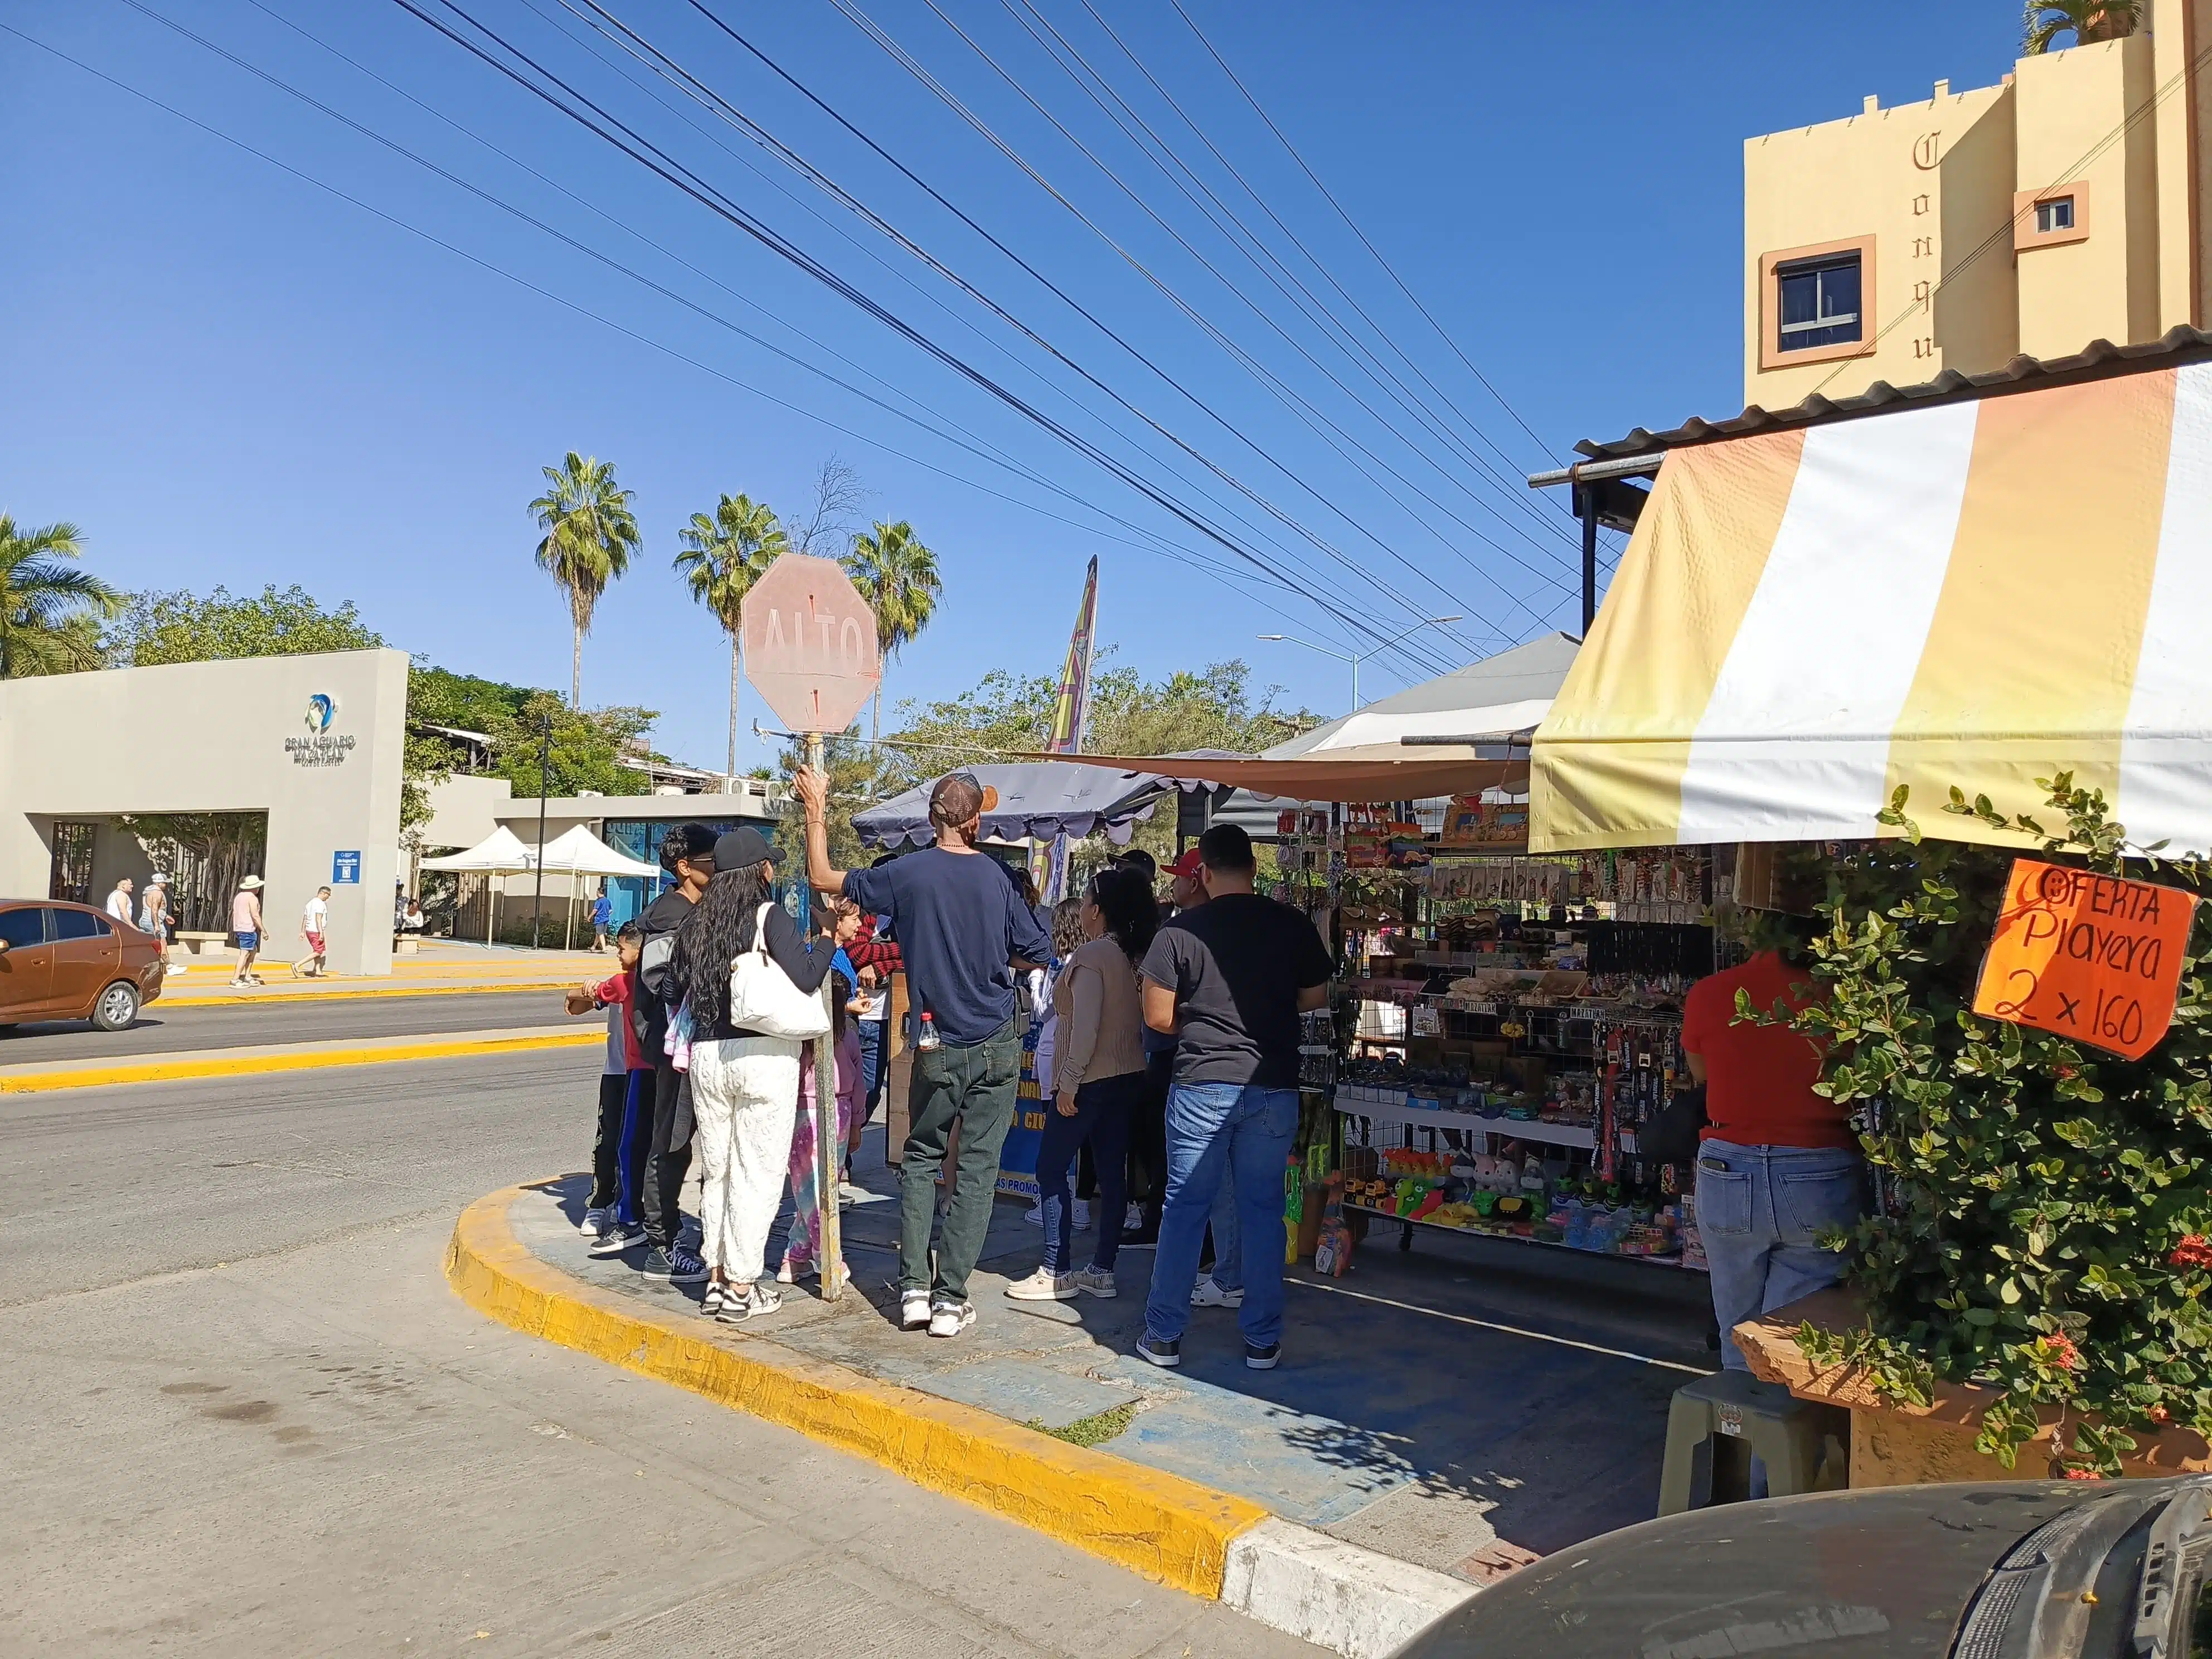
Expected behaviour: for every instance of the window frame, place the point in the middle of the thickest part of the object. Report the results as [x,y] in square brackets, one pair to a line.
[2026,236]
[38,911]
[95,924]
[1771,352]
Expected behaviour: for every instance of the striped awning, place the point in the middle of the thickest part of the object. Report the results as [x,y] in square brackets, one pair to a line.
[1975,593]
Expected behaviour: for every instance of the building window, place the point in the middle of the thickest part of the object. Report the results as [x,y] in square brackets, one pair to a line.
[1819,302]
[2057,214]
[71,877]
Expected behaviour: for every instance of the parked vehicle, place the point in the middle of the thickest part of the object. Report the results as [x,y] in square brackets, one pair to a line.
[2021,1570]
[63,961]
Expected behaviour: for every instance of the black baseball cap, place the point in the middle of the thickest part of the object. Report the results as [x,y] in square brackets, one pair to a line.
[741,848]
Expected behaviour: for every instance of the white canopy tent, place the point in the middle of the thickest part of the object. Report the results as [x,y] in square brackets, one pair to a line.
[500,853]
[578,852]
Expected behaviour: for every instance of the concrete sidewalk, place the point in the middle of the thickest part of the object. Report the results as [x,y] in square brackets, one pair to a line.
[443,968]
[1438,1418]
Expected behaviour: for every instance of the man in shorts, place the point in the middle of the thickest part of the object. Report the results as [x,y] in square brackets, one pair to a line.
[246,923]
[314,925]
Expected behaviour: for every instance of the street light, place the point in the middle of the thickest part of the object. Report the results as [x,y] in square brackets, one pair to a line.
[1426,622]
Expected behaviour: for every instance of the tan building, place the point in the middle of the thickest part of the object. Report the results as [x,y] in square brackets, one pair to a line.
[2064,205]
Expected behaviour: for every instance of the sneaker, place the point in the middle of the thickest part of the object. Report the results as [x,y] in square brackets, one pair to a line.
[680,1265]
[1160,1351]
[711,1304]
[1134,1221]
[1097,1281]
[950,1318]
[1207,1294]
[593,1224]
[1034,1215]
[618,1236]
[914,1310]
[1082,1221]
[1042,1286]
[793,1265]
[741,1303]
[1257,1358]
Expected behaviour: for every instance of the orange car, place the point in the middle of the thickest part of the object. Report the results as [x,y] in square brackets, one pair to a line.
[63,961]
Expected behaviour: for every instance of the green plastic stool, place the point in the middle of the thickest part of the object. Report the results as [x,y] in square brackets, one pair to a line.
[1788,1434]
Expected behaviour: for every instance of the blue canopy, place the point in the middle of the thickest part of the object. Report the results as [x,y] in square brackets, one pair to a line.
[1037,798]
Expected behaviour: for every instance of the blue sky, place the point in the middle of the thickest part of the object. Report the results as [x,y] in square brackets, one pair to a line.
[224,373]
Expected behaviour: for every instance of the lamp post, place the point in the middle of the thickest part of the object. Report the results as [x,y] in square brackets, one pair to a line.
[545,770]
[1426,622]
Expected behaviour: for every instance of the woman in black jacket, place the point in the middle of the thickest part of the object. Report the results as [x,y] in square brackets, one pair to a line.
[744,1085]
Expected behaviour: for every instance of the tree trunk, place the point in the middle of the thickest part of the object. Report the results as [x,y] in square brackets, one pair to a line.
[576,672]
[876,714]
[737,669]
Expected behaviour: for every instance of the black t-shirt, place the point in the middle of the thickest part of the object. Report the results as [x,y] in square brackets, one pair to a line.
[960,923]
[1237,964]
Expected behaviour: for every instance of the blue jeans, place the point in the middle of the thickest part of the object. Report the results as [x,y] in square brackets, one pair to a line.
[1760,1211]
[1228,1241]
[871,1064]
[1243,1133]
[1102,1117]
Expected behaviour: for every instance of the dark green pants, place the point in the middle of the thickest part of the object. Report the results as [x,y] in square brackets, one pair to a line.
[977,1086]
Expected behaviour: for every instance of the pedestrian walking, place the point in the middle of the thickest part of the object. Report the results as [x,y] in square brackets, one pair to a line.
[625,1122]
[603,918]
[745,970]
[1097,1079]
[314,928]
[154,918]
[687,854]
[118,902]
[245,926]
[1228,979]
[964,932]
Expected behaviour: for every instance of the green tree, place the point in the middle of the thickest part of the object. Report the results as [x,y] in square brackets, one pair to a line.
[2087,20]
[584,753]
[897,576]
[724,554]
[182,627]
[590,535]
[856,781]
[49,611]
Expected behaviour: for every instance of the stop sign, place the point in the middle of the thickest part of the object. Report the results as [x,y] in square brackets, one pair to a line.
[810,643]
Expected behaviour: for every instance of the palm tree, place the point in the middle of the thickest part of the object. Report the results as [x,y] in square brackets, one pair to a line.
[897,576]
[590,534]
[2087,21]
[50,613]
[723,556]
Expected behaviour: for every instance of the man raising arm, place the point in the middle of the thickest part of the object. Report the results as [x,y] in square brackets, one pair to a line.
[963,930]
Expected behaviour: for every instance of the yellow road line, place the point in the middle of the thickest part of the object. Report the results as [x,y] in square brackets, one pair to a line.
[1172,1530]
[172,1068]
[341,992]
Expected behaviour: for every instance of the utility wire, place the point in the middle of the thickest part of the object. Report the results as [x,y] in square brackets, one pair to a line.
[1352,225]
[619,136]
[1153,544]
[714,102]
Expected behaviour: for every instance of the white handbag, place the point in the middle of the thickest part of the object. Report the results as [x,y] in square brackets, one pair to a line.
[763,1000]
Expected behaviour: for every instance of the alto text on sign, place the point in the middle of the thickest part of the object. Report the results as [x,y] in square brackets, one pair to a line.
[810,643]
[2086,956]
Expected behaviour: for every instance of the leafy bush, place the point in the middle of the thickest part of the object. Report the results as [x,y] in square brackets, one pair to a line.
[2045,1213]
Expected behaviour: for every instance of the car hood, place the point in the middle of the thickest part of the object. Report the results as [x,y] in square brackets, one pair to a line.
[1880,1574]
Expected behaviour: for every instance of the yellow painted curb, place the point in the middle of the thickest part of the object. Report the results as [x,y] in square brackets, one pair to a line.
[176,1067]
[1173,1531]
[269,994]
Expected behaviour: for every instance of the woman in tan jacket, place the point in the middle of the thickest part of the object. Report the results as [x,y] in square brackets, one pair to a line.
[1098,1076]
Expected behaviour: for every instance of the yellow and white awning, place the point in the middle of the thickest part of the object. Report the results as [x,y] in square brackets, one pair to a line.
[1977,592]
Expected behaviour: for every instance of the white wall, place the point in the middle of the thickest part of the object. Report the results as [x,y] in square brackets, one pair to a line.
[212,738]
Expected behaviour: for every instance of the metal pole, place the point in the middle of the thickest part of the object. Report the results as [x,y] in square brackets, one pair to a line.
[828,1144]
[1586,509]
[545,762]
[1355,686]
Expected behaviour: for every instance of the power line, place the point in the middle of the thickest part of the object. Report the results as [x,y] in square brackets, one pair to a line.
[607,127]
[1352,225]
[1153,544]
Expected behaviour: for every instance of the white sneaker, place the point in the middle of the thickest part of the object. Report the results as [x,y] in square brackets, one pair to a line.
[1097,1281]
[1042,1286]
[1035,1215]
[592,1222]
[789,1272]
[950,1318]
[1207,1294]
[1134,1221]
[1082,1222]
[914,1310]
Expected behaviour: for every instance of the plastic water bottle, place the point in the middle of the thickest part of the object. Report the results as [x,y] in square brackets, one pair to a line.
[928,1039]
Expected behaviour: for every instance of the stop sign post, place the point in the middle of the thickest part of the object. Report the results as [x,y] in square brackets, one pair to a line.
[809,641]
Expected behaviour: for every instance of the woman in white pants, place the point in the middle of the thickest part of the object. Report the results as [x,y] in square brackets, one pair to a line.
[745,1087]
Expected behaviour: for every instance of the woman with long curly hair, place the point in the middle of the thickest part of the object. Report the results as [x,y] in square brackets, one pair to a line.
[1097,1077]
[744,1085]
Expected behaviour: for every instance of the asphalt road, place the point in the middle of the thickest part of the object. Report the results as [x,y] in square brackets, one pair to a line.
[246,1414]
[172,1030]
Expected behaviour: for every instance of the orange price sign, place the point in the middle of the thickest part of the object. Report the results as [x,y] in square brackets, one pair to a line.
[2090,956]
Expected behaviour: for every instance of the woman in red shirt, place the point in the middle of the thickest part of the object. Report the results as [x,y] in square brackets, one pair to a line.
[1777,1165]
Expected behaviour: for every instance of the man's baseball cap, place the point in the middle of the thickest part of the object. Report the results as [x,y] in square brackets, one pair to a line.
[1187,866]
